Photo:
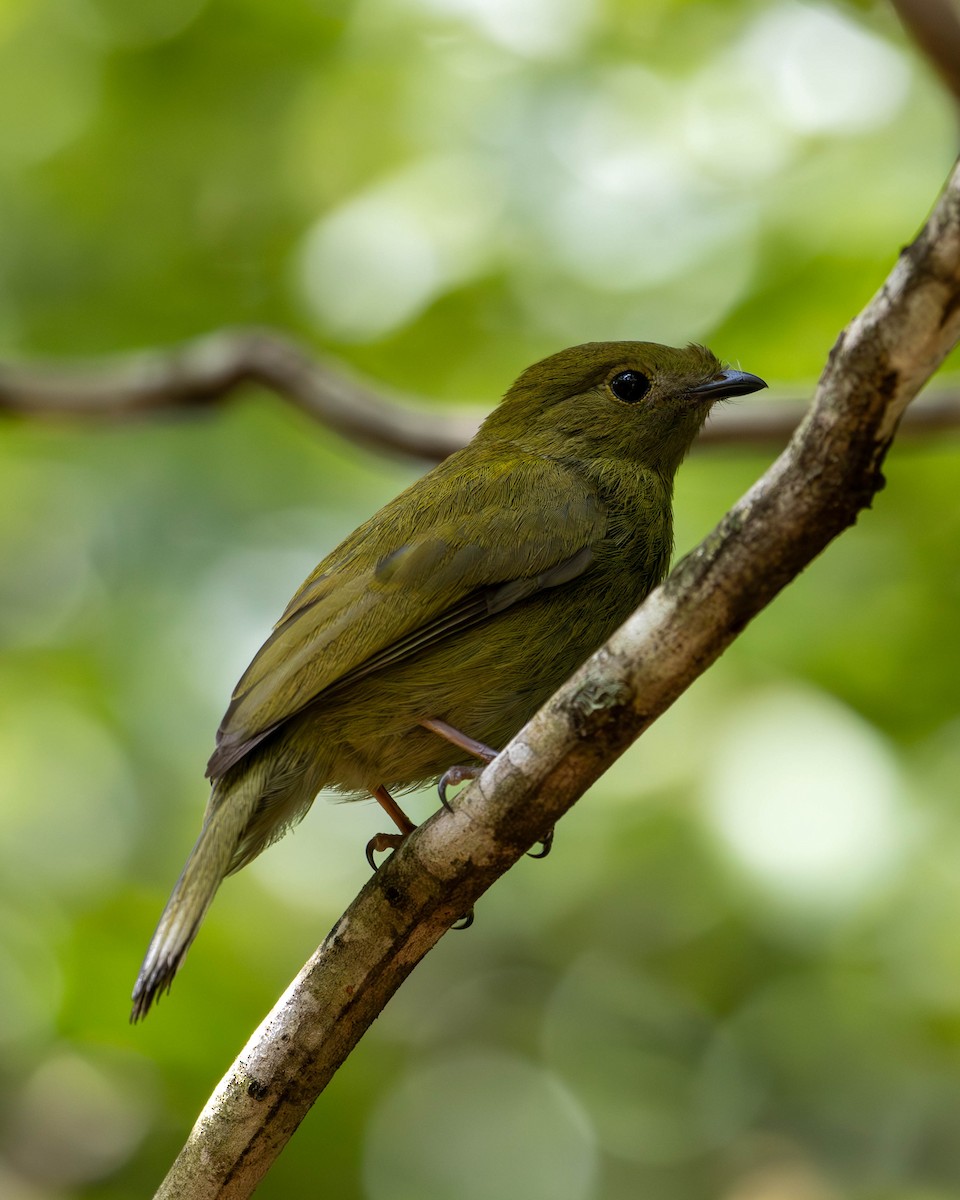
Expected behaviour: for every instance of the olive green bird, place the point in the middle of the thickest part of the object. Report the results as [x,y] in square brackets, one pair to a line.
[448,618]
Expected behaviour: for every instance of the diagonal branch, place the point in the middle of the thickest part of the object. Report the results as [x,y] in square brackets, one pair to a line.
[815,489]
[934,26]
[210,370]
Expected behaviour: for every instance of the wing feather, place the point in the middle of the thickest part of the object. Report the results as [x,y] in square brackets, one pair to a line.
[417,572]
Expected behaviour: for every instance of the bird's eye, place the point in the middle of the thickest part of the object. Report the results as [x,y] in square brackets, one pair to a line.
[630,386]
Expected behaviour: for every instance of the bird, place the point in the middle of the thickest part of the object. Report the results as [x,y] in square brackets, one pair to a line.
[438,627]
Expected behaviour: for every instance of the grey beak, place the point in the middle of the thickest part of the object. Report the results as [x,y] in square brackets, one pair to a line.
[729,383]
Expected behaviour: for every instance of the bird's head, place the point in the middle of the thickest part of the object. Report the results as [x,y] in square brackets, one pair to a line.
[638,401]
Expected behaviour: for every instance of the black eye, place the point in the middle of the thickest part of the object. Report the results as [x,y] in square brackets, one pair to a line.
[630,386]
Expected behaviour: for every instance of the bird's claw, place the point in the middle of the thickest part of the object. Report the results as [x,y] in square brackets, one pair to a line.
[546,842]
[454,777]
[381,842]
[464,922]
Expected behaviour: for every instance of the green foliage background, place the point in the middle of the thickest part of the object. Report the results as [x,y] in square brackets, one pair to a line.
[738,974]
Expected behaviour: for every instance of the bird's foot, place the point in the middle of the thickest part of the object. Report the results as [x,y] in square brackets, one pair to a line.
[461,774]
[458,774]
[454,777]
[388,841]
[381,842]
[545,844]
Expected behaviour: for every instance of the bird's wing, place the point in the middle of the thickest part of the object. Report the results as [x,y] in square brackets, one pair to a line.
[416,573]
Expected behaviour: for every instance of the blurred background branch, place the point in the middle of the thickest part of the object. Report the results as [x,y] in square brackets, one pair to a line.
[934,26]
[209,370]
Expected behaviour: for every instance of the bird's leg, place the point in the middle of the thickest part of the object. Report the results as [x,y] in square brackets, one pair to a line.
[462,772]
[463,740]
[393,841]
[389,841]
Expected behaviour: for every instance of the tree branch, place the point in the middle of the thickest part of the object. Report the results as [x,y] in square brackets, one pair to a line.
[934,26]
[212,369]
[815,489]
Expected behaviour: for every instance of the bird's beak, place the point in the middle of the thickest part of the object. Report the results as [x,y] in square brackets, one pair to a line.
[729,383]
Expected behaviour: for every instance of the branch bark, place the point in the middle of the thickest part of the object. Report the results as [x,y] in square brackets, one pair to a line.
[815,489]
[212,369]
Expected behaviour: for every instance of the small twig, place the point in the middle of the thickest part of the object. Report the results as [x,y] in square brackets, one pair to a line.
[210,370]
[826,476]
[770,424]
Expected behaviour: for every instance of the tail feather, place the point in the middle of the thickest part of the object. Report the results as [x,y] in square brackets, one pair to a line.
[228,816]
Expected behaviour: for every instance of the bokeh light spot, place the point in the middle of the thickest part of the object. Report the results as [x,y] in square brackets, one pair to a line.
[806,798]
[383,256]
[643,1059]
[825,72]
[119,23]
[480,1124]
[78,1121]
[66,795]
[531,28]
[48,92]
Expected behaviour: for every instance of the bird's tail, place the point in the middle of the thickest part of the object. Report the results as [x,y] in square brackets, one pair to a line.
[228,814]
